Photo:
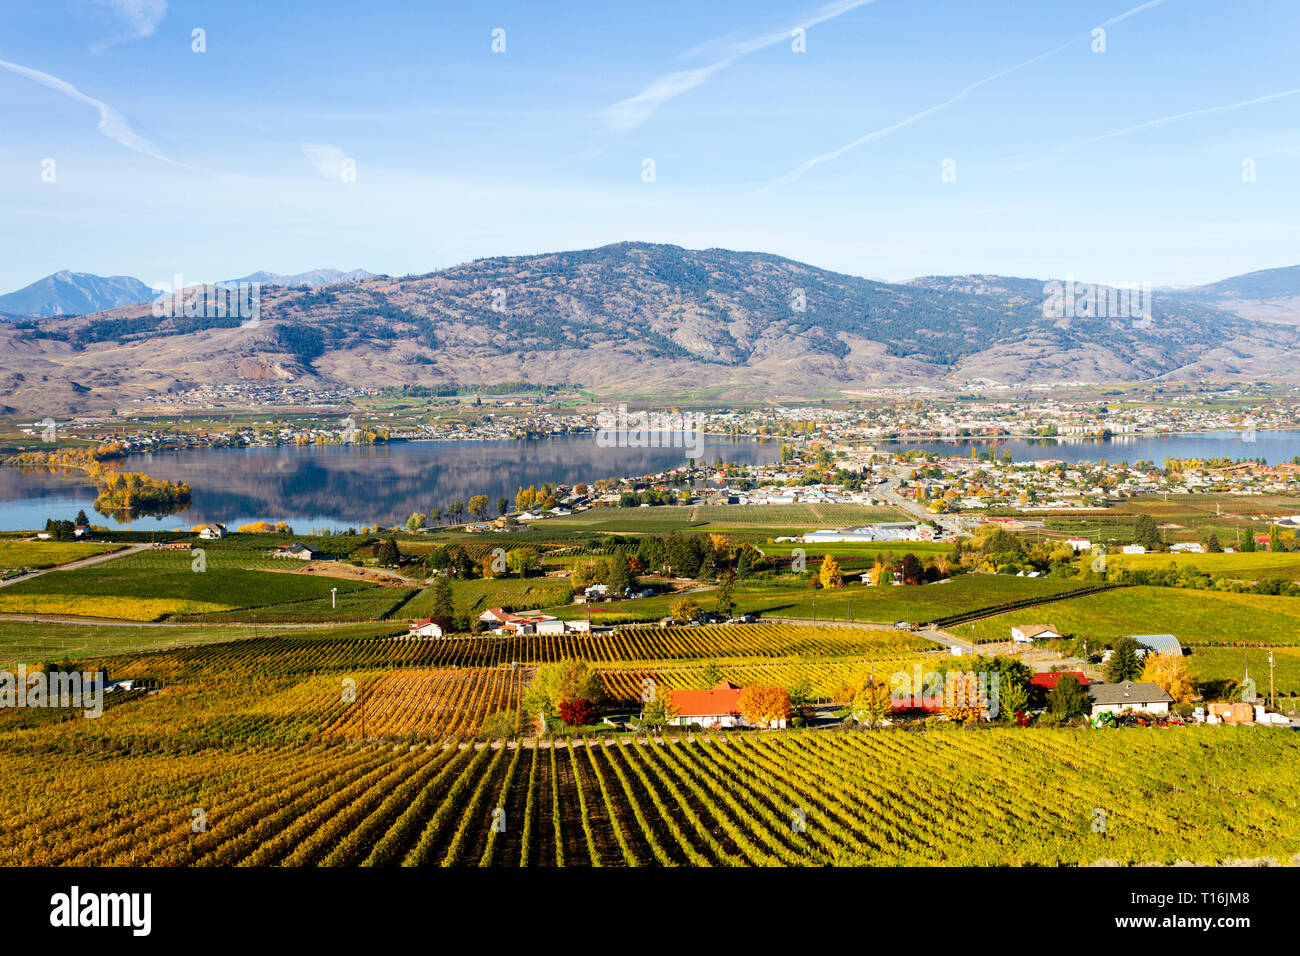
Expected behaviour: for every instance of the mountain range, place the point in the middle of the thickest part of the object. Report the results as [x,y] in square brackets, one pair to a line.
[642,319]
[81,293]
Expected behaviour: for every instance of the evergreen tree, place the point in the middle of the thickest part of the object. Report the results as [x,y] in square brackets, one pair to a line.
[1123,664]
[388,555]
[444,605]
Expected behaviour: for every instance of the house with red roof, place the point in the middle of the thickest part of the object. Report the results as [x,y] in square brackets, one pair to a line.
[1047,680]
[716,706]
[426,627]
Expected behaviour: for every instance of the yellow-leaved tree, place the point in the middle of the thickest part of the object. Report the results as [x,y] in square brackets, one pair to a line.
[830,574]
[1171,673]
[764,705]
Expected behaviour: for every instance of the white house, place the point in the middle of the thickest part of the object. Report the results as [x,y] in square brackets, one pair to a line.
[427,627]
[212,532]
[1028,633]
[1133,549]
[1079,544]
[1146,697]
[299,551]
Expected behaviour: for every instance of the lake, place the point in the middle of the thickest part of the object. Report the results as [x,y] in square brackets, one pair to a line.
[349,486]
[1273,446]
[337,486]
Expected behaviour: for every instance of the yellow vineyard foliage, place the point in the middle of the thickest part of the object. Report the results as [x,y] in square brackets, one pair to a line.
[125,609]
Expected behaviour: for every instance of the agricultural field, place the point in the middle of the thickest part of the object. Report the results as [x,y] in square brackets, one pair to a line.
[152,585]
[312,653]
[48,554]
[661,519]
[1194,617]
[1196,516]
[779,597]
[1001,797]
[1234,663]
[1247,566]
[476,595]
[29,642]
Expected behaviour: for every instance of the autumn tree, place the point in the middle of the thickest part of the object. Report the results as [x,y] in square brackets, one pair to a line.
[657,712]
[478,506]
[684,610]
[911,569]
[567,680]
[522,560]
[1171,673]
[416,521]
[764,705]
[871,704]
[830,574]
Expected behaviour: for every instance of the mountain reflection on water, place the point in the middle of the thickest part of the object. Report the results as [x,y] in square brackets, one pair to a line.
[339,487]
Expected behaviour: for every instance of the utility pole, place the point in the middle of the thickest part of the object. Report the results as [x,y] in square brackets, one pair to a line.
[1272,697]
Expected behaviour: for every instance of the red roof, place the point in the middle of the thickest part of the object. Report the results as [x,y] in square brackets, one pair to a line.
[723,698]
[416,625]
[931,705]
[1048,679]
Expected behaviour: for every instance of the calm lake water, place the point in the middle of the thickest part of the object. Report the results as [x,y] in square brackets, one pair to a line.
[340,487]
[1272,446]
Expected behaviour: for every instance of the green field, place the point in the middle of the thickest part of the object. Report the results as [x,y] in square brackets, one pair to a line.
[153,584]
[48,554]
[1194,617]
[1234,663]
[664,518]
[32,642]
[1248,566]
[477,595]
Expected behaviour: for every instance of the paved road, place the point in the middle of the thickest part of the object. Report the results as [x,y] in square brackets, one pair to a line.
[83,563]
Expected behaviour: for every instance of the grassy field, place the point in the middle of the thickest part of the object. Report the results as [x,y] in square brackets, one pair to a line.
[477,595]
[48,554]
[154,584]
[775,518]
[1247,567]
[1234,663]
[1194,617]
[33,642]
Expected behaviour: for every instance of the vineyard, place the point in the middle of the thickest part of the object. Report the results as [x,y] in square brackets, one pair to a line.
[799,798]
[630,645]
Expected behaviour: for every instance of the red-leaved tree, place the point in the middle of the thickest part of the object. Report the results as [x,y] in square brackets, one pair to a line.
[577,713]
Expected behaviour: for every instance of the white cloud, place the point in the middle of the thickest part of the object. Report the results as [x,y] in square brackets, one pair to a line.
[635,110]
[140,19]
[327,159]
[111,123]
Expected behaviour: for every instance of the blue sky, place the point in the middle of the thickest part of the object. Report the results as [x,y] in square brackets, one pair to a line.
[1066,160]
